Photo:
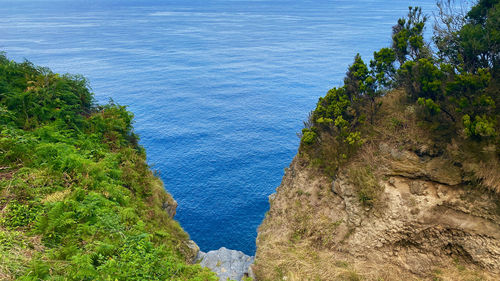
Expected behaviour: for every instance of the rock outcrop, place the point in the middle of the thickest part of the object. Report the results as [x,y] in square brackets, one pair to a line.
[426,222]
[170,206]
[193,252]
[226,263]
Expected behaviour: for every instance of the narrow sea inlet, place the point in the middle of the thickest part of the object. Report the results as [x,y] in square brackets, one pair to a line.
[218,88]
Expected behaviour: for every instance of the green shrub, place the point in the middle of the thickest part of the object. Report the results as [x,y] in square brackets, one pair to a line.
[74,176]
[308,136]
[366,184]
[20,214]
[481,126]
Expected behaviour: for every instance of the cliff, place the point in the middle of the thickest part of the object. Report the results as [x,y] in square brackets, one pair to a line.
[77,198]
[427,220]
[398,172]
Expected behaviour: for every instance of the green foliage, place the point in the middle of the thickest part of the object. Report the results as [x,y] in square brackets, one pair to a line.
[354,82]
[481,126]
[457,88]
[470,41]
[440,89]
[335,112]
[366,184]
[354,138]
[343,111]
[480,36]
[324,120]
[35,95]
[333,105]
[421,79]
[408,38]
[136,259]
[467,92]
[383,67]
[113,123]
[308,136]
[12,244]
[19,214]
[429,105]
[78,184]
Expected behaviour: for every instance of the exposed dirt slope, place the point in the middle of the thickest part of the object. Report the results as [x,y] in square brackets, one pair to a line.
[427,218]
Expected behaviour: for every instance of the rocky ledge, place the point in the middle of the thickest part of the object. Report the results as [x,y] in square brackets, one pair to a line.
[226,263]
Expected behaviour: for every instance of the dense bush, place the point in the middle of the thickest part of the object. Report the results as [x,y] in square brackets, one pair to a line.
[75,187]
[456,89]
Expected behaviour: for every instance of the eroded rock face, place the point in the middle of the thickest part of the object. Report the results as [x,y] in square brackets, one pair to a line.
[425,224]
[427,221]
[194,251]
[170,207]
[226,263]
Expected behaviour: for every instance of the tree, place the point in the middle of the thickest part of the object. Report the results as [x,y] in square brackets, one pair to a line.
[469,41]
[408,38]
[447,23]
[355,78]
[364,86]
[470,45]
[382,67]
[480,37]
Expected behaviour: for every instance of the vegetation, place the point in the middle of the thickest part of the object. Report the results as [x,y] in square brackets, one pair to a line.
[451,84]
[78,201]
[366,183]
[420,115]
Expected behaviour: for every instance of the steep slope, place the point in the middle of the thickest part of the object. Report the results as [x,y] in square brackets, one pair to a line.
[77,199]
[398,171]
[426,219]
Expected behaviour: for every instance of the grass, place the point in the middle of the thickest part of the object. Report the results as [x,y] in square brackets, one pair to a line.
[366,184]
[459,272]
[299,225]
[78,200]
[16,251]
[349,276]
[423,129]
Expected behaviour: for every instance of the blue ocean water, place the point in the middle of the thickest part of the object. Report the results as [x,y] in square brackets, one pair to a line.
[218,88]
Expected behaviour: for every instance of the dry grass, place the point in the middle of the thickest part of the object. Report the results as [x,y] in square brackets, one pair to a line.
[299,262]
[459,272]
[16,251]
[298,244]
[398,125]
[480,162]
[366,183]
[326,155]
[300,239]
[488,173]
[56,196]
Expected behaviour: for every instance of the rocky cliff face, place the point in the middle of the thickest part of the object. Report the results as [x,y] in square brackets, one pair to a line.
[425,222]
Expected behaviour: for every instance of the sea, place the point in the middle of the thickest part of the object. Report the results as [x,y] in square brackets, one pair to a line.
[219,88]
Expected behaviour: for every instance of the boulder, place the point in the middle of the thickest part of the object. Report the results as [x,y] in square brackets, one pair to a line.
[226,263]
